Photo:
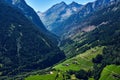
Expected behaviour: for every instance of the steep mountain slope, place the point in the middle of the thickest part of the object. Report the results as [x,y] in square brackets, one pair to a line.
[106,33]
[62,28]
[32,15]
[58,13]
[28,11]
[23,47]
[81,36]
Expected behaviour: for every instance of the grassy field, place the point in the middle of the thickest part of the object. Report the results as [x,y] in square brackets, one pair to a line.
[81,61]
[110,72]
[53,75]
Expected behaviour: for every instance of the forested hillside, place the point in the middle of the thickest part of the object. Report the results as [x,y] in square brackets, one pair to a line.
[23,47]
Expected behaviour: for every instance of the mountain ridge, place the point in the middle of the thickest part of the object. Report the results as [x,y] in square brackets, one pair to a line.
[28,11]
[61,27]
[57,13]
[33,17]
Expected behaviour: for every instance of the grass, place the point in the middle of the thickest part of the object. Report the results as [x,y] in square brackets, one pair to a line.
[110,72]
[55,75]
[81,61]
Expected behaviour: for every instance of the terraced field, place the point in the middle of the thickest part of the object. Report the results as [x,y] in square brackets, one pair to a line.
[81,61]
[110,72]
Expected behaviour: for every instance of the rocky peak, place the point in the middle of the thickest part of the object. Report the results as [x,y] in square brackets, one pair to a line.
[74,4]
[63,3]
[58,6]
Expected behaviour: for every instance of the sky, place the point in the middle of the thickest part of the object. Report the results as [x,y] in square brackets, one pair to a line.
[43,5]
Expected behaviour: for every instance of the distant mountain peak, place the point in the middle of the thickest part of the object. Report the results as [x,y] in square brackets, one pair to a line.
[61,4]
[58,12]
[74,4]
[58,6]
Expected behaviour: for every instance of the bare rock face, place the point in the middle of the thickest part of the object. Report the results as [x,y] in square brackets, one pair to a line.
[58,13]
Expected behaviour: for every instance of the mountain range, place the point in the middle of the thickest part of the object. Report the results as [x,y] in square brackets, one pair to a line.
[95,24]
[85,44]
[58,13]
[61,26]
[23,46]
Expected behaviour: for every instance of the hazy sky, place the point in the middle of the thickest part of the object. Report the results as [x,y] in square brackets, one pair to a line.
[43,5]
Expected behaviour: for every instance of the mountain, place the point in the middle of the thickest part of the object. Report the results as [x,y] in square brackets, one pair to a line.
[33,17]
[58,13]
[92,54]
[78,25]
[28,12]
[78,33]
[100,28]
[23,47]
[63,27]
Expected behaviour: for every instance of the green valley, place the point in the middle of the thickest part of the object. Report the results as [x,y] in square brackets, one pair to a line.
[60,71]
[110,72]
[81,43]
